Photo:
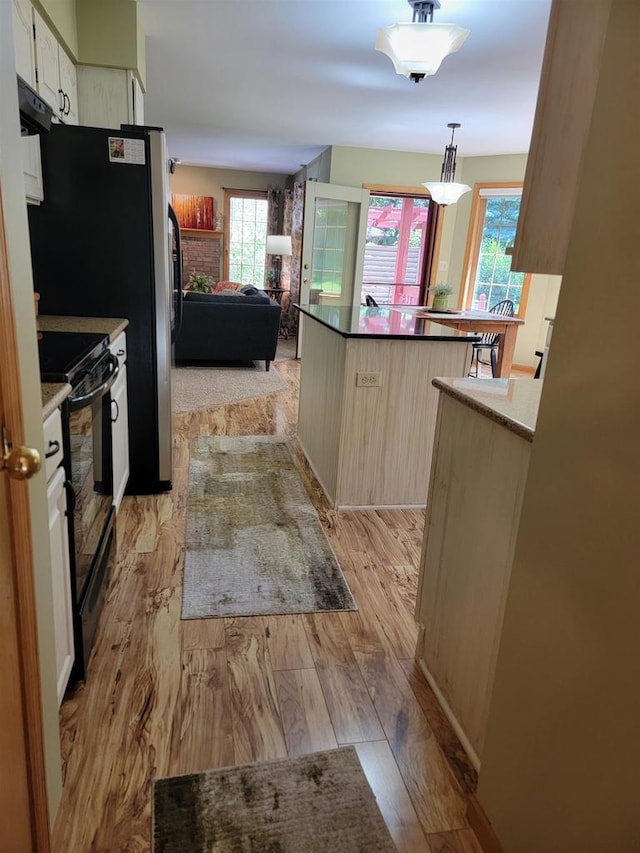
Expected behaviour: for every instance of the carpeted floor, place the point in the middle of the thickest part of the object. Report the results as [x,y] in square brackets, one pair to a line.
[207,387]
[318,803]
[254,544]
[195,388]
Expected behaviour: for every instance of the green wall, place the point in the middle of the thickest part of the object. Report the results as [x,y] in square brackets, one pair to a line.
[62,16]
[110,35]
[201,180]
[357,166]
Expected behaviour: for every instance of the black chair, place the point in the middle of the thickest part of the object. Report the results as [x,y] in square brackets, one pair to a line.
[490,340]
[370,301]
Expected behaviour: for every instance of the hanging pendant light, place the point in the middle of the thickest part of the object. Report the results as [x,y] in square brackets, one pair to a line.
[417,49]
[446,191]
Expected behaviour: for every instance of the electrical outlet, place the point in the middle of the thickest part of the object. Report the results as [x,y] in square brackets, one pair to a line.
[368,380]
[443,266]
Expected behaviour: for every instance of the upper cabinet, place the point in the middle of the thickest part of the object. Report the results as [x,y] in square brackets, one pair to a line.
[568,82]
[23,41]
[109,97]
[55,73]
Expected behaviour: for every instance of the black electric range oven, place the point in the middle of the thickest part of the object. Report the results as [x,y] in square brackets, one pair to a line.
[86,363]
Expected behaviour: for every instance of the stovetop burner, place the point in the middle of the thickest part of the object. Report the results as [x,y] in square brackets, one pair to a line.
[63,355]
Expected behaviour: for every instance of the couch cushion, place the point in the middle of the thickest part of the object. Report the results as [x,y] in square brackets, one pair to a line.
[194,296]
[250,290]
[259,298]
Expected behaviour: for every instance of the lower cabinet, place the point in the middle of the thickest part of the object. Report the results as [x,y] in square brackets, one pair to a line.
[473,510]
[60,559]
[120,422]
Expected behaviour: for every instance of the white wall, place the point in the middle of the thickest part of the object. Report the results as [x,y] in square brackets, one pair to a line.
[22,291]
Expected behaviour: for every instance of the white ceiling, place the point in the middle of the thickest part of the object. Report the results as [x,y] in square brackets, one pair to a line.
[266,85]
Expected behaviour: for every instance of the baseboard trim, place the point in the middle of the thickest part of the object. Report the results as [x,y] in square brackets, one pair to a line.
[481,825]
[455,725]
[525,368]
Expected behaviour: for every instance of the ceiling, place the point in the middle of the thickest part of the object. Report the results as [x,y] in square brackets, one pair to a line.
[266,85]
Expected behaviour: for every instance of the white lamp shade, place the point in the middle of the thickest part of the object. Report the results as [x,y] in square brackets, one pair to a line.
[279,244]
[419,48]
[446,192]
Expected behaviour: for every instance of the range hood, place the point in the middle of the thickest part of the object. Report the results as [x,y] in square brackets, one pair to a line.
[35,114]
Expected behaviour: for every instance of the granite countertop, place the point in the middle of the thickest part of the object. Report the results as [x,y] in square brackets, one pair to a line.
[513,403]
[111,326]
[53,395]
[384,322]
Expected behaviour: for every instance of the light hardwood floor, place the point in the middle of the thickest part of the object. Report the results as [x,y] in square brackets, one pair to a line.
[165,697]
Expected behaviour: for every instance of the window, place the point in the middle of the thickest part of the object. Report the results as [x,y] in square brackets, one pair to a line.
[488,276]
[399,248]
[246,215]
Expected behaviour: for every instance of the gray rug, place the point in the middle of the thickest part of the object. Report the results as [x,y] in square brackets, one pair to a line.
[195,388]
[254,544]
[319,803]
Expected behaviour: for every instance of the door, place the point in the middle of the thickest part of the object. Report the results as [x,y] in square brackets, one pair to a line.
[25,822]
[335,227]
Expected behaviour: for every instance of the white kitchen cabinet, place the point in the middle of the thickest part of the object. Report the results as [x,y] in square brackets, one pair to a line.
[109,97]
[55,73]
[566,95]
[120,422]
[60,559]
[473,509]
[32,169]
[26,67]
[23,41]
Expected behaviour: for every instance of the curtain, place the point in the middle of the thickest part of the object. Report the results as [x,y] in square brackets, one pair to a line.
[292,224]
[274,223]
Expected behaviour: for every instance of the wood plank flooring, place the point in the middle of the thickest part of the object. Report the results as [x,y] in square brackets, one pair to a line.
[166,697]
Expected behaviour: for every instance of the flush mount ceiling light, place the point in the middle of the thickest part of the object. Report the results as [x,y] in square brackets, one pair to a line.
[417,49]
[446,191]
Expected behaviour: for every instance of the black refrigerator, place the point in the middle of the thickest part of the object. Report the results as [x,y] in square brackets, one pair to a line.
[105,243]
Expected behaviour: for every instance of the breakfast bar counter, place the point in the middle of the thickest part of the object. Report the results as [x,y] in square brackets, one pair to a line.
[367,409]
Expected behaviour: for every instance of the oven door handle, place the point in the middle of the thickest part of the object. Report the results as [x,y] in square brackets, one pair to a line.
[76,403]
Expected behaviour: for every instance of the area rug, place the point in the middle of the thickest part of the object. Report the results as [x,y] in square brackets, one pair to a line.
[318,803]
[207,387]
[254,544]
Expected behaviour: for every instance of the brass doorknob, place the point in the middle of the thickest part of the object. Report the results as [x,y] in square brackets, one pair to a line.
[21,463]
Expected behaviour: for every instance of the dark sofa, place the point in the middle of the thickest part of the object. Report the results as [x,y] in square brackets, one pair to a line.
[238,327]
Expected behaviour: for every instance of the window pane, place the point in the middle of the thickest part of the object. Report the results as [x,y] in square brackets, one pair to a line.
[247,239]
[494,279]
[394,250]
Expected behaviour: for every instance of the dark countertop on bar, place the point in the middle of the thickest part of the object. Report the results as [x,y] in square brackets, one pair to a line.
[400,322]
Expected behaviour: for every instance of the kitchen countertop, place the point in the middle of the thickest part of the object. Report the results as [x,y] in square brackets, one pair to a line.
[53,395]
[513,403]
[384,322]
[111,326]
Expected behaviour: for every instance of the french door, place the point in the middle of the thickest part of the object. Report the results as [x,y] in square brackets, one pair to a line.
[334,232]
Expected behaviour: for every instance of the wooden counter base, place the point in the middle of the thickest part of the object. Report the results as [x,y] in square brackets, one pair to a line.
[370,447]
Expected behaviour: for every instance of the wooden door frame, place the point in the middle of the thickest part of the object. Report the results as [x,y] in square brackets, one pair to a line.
[21,727]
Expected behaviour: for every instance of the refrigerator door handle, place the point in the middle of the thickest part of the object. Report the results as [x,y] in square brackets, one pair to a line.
[177,276]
